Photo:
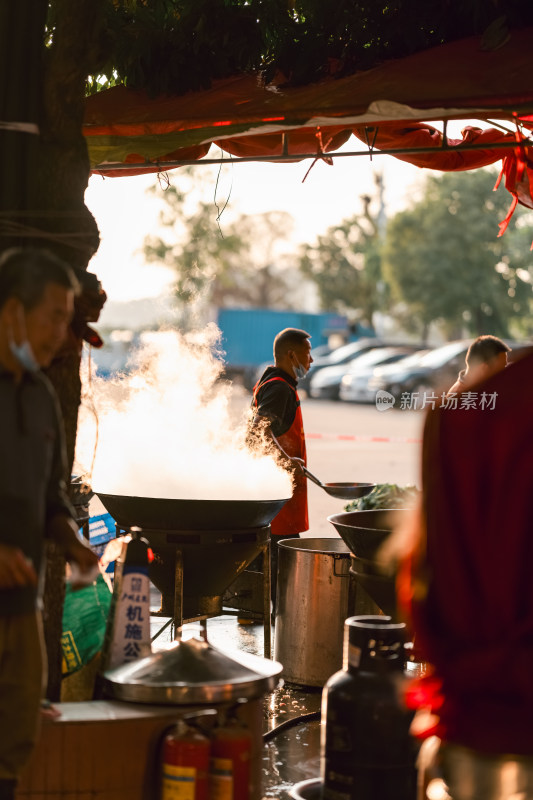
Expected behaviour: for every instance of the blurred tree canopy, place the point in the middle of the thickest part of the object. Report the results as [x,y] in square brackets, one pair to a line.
[439,261]
[345,263]
[238,264]
[444,262]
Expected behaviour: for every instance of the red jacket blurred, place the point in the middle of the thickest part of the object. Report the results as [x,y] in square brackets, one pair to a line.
[468,583]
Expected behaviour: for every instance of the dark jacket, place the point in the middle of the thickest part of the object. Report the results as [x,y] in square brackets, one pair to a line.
[32,470]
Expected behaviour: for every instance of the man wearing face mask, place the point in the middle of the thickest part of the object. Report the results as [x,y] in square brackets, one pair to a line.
[278,414]
[36,303]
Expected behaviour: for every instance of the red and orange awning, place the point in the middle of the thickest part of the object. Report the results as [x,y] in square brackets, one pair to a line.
[129,133]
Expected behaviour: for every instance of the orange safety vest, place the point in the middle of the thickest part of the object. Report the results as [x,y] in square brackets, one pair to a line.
[293,517]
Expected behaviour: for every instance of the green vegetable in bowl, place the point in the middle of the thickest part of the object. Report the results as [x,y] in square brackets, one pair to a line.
[386,495]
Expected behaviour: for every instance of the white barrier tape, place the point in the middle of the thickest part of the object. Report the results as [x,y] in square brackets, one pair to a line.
[22,127]
[355,438]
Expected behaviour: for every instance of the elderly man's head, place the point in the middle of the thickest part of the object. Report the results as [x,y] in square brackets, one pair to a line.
[36,304]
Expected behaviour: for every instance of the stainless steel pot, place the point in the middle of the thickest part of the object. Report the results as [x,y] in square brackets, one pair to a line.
[312,604]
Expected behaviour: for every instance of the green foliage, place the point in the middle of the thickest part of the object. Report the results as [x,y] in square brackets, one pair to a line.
[174,47]
[444,261]
[345,265]
[232,264]
[181,45]
[386,495]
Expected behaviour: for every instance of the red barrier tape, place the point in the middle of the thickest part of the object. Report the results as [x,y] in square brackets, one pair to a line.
[353,438]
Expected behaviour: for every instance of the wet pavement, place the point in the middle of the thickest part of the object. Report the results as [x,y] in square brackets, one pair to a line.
[293,753]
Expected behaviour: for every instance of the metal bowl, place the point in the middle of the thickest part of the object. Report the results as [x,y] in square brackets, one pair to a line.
[365,531]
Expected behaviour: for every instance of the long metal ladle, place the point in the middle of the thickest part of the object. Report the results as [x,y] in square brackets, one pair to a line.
[343,491]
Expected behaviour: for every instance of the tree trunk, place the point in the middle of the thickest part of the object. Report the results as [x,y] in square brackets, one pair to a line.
[69,230]
[20,68]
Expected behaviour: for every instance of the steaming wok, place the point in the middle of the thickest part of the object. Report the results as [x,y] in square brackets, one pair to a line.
[156,513]
[343,491]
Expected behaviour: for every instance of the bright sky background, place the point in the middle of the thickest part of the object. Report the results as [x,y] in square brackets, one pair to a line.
[125,213]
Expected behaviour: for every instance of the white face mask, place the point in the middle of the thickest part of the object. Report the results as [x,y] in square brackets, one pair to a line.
[23,352]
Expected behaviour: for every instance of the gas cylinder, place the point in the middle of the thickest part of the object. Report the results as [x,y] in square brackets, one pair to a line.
[231,750]
[366,750]
[185,767]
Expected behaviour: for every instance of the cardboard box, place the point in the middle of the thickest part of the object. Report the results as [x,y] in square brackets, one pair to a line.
[106,750]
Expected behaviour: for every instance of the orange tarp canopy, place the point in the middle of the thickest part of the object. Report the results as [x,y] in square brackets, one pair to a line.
[129,133]
[247,119]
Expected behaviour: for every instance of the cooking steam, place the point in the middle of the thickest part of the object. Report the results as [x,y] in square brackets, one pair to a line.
[166,430]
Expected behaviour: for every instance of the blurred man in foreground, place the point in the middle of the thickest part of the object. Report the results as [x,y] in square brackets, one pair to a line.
[36,303]
[468,589]
[277,412]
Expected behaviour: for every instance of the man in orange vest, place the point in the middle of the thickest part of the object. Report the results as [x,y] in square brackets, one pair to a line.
[278,413]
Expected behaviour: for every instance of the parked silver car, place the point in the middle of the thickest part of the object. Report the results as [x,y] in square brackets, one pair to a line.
[436,370]
[326,383]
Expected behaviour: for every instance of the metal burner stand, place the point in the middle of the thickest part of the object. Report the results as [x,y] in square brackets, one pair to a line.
[190,546]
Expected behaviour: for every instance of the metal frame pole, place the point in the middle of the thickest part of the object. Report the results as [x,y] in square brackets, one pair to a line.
[178,595]
[267,623]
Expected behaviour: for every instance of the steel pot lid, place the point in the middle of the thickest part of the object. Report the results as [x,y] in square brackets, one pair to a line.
[192,672]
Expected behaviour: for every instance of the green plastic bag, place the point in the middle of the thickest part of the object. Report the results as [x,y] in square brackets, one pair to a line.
[84,623]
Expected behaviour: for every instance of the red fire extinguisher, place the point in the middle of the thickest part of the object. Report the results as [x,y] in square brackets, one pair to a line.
[231,750]
[185,768]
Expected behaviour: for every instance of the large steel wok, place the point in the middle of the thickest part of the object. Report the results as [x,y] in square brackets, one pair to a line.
[162,514]
[210,542]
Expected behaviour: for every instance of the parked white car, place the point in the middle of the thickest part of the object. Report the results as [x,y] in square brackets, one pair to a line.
[359,386]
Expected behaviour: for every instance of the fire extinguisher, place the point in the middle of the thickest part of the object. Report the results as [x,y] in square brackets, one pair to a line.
[231,751]
[185,767]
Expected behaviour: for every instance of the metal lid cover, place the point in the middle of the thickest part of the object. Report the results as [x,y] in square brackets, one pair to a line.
[192,672]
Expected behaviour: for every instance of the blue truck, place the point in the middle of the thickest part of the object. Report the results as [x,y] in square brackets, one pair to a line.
[248,333]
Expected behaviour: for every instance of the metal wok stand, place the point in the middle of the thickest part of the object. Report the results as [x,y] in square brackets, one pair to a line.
[177,620]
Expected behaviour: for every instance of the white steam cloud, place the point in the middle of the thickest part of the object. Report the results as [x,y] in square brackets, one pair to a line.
[167,431]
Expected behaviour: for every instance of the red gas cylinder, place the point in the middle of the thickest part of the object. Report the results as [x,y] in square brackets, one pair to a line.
[231,749]
[185,766]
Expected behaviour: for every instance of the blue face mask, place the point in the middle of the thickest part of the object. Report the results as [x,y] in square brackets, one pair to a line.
[300,372]
[23,352]
[24,355]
